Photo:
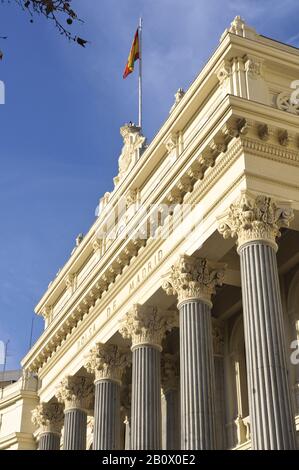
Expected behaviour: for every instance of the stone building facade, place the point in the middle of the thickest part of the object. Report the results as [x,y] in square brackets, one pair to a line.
[174,324]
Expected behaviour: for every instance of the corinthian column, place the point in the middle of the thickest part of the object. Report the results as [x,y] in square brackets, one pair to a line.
[170,385]
[108,363]
[194,280]
[146,327]
[75,393]
[256,221]
[48,417]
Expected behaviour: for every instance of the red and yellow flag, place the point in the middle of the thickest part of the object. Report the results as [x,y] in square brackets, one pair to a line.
[133,56]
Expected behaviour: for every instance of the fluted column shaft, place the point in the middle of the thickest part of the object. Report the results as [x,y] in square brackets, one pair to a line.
[75,392]
[197,376]
[108,363]
[219,402]
[194,280]
[172,438]
[107,415]
[49,441]
[146,398]
[146,326]
[272,423]
[75,425]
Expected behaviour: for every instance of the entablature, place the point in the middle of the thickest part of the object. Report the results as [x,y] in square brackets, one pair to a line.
[191,176]
[243,57]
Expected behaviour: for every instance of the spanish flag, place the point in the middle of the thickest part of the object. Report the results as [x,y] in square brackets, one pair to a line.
[134,55]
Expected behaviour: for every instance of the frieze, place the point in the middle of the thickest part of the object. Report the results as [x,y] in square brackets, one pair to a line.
[145,271]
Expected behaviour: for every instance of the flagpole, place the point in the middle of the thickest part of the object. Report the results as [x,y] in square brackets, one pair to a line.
[140,75]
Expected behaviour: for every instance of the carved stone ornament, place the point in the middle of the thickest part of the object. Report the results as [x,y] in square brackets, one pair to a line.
[134,144]
[178,96]
[90,424]
[263,132]
[97,245]
[75,392]
[169,372]
[255,218]
[254,67]
[131,197]
[239,27]
[284,102]
[193,277]
[224,72]
[48,417]
[47,312]
[145,324]
[236,26]
[69,280]
[171,143]
[107,362]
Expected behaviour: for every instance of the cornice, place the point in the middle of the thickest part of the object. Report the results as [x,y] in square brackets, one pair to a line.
[238,145]
[20,395]
[98,288]
[187,176]
[177,120]
[289,156]
[265,48]
[155,149]
[16,438]
[231,45]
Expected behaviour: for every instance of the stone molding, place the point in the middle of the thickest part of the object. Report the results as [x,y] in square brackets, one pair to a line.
[75,392]
[193,277]
[251,136]
[255,218]
[48,417]
[107,362]
[146,325]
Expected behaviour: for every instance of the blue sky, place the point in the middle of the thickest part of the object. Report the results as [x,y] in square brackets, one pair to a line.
[60,125]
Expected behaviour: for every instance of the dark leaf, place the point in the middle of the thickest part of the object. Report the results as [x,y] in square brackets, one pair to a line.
[81,42]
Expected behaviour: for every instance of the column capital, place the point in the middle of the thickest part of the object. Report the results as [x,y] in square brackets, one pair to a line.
[169,372]
[255,218]
[48,417]
[107,362]
[146,324]
[75,392]
[193,277]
